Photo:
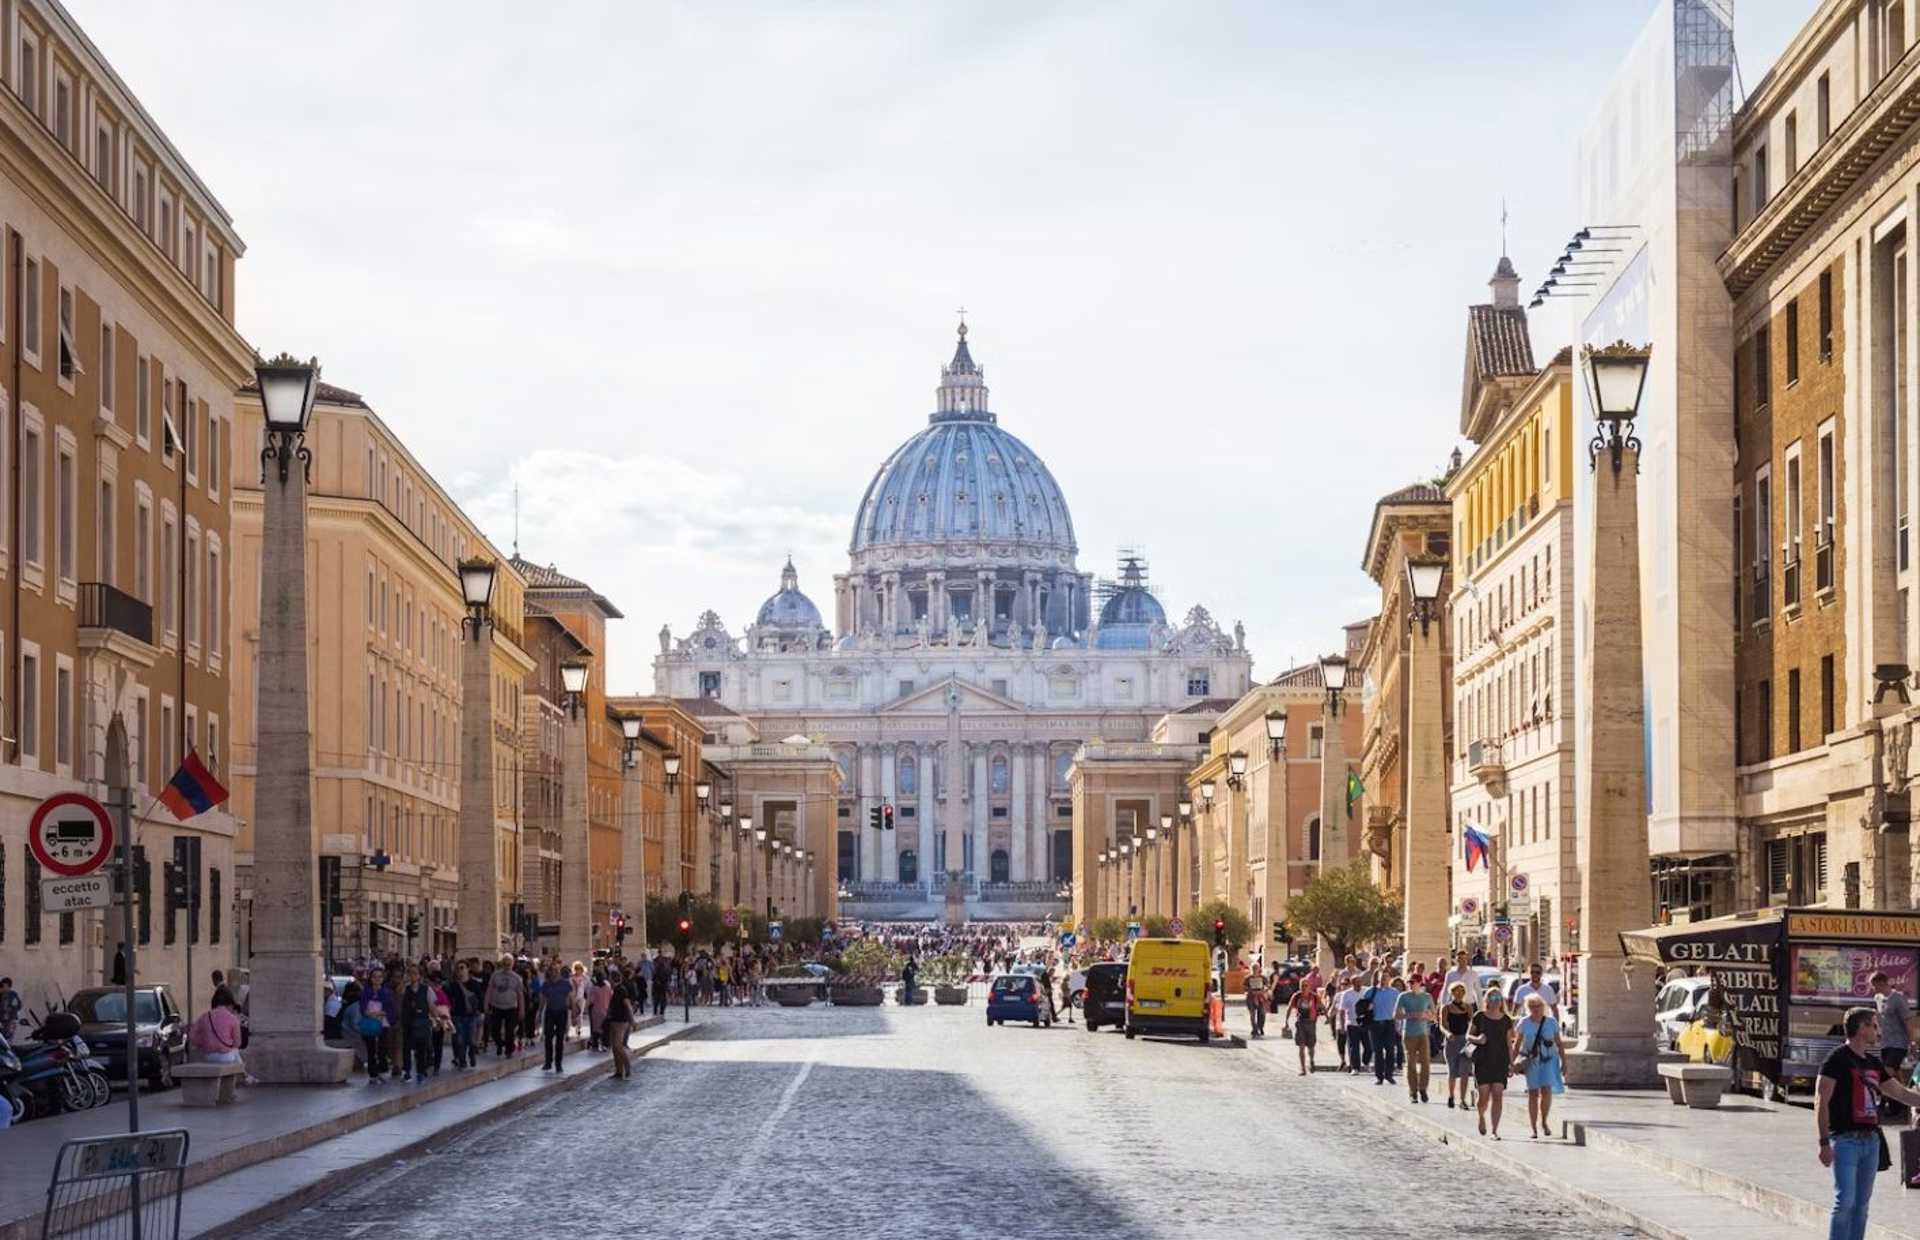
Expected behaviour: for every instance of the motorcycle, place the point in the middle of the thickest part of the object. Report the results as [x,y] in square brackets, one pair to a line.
[17,1098]
[52,1066]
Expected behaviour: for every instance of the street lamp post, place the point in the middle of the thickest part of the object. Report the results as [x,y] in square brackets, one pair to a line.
[287,971]
[576,873]
[1616,1045]
[743,897]
[1279,858]
[633,829]
[479,865]
[1426,866]
[1158,840]
[1333,784]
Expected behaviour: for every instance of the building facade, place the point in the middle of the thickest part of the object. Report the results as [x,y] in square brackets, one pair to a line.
[118,358]
[970,659]
[384,542]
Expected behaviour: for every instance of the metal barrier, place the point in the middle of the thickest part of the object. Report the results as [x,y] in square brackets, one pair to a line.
[114,1187]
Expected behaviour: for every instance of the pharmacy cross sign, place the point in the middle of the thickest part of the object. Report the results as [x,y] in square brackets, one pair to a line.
[70,834]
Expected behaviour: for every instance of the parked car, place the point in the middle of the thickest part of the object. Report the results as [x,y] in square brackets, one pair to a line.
[1678,1005]
[1018,996]
[160,1031]
[1106,996]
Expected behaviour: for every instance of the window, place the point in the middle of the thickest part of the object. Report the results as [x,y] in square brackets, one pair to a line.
[170,444]
[190,587]
[29,701]
[30,312]
[169,759]
[30,496]
[142,400]
[1823,512]
[62,714]
[1793,710]
[213,599]
[63,110]
[1759,179]
[1826,314]
[213,904]
[140,196]
[29,78]
[1826,697]
[105,523]
[189,438]
[1763,721]
[69,354]
[169,575]
[63,509]
[213,455]
[1793,342]
[107,369]
[1762,544]
[1822,109]
[143,549]
[1793,143]
[1762,367]
[1790,545]
[1197,682]
[32,927]
[1316,739]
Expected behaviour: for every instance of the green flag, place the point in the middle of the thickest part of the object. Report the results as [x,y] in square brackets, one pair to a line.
[1355,790]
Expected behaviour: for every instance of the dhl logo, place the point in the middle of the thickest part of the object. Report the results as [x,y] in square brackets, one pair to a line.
[1162,970]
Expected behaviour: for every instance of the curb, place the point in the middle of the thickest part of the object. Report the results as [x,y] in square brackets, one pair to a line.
[333,1181]
[28,1226]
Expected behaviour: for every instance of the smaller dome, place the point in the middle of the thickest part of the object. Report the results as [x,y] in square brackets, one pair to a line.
[1132,606]
[789,608]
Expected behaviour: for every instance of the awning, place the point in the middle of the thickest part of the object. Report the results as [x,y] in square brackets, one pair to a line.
[395,931]
[1727,942]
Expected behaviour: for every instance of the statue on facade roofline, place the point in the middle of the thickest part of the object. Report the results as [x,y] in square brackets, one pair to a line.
[1040,636]
[1239,635]
[666,638]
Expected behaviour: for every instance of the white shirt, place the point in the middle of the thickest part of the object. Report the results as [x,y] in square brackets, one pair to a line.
[1462,977]
[1348,1001]
[1545,990]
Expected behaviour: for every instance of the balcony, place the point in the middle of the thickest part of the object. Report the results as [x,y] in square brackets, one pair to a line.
[116,622]
[1485,764]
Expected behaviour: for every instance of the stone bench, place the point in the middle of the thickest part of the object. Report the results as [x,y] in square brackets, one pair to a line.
[1697,1085]
[208,1084]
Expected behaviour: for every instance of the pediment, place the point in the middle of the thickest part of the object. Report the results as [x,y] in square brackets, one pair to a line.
[933,700]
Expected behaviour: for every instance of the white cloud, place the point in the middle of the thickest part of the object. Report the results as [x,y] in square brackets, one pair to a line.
[527,237]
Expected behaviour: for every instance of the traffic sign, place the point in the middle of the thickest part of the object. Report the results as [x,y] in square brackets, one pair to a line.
[1133,930]
[1518,883]
[66,895]
[1176,928]
[70,834]
[1067,939]
[730,918]
[1503,933]
[1469,906]
[774,931]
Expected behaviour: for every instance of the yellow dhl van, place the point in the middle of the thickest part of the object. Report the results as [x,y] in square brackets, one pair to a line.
[1167,987]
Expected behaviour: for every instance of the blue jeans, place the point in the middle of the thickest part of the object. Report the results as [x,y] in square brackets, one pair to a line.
[1385,1044]
[1856,1160]
[1357,1053]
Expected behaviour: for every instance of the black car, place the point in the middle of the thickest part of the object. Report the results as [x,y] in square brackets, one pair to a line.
[159,1029]
[1106,999]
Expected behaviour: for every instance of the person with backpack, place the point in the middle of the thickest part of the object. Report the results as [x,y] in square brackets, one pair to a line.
[376,1014]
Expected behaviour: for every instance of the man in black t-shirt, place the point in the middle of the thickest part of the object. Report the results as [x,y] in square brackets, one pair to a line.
[1847,1118]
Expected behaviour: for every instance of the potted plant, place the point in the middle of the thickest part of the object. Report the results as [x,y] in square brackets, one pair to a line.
[948,976]
[864,968]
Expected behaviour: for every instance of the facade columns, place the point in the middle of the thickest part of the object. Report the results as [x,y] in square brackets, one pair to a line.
[890,844]
[576,872]
[287,970]
[1427,864]
[937,601]
[890,602]
[981,869]
[1616,1046]
[1040,822]
[479,912]
[926,799]
[1017,809]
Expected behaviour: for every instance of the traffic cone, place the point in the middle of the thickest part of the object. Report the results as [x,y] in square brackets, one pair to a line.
[1217,1016]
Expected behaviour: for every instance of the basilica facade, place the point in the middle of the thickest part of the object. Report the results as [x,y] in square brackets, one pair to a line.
[968,660]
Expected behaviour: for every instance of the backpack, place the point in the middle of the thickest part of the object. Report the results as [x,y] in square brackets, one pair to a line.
[1363,1010]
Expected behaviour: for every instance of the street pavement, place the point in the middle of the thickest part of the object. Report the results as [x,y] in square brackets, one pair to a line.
[924,1122]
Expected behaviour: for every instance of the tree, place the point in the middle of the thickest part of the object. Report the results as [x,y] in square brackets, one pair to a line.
[1155,926]
[1200,924]
[1343,906]
[1108,929]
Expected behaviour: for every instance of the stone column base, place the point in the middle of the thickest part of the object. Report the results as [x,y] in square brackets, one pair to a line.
[294,1059]
[1609,1065]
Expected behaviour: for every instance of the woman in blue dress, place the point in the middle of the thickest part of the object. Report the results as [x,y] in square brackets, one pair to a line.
[1537,1046]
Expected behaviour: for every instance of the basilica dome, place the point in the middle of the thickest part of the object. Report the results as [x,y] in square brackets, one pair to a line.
[964,480]
[788,608]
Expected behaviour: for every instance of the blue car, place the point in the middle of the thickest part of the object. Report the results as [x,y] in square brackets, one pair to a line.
[1018,996]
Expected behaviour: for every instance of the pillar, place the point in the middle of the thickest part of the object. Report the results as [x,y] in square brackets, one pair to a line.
[1616,1047]
[633,858]
[287,971]
[479,913]
[871,842]
[926,799]
[576,872]
[677,870]
[981,796]
[1017,813]
[1333,808]
[1040,821]
[1427,859]
[937,602]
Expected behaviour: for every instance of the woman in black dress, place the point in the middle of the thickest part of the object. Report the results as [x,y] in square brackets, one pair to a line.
[1490,1034]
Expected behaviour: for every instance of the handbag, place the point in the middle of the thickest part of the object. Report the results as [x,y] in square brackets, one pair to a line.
[1533,1052]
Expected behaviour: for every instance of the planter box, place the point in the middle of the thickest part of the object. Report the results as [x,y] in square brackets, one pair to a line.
[950,996]
[857,996]
[917,997]
[791,996]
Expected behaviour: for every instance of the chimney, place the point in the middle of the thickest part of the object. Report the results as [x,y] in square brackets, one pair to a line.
[1505,284]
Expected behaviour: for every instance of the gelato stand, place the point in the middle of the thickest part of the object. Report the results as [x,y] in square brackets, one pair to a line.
[1788,975]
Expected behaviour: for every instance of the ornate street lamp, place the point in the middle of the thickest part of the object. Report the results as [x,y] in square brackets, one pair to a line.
[1333,670]
[630,733]
[1153,833]
[1206,795]
[1276,732]
[287,389]
[1237,769]
[746,826]
[1103,856]
[476,589]
[701,791]
[1616,379]
[759,833]
[573,683]
[671,764]
[726,810]
[1186,809]
[1424,576]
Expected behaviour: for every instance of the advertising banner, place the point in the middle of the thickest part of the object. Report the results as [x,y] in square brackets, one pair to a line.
[1744,958]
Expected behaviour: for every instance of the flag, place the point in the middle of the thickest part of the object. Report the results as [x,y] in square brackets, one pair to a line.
[1476,846]
[193,790]
[1355,790]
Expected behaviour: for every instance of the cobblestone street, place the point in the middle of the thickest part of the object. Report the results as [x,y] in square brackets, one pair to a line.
[865,1122]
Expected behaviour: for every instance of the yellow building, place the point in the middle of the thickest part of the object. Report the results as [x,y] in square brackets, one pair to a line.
[383,542]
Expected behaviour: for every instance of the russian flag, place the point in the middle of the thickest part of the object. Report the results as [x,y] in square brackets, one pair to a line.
[193,790]
[1476,846]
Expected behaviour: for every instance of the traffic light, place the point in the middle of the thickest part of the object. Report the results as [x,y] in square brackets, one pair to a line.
[413,924]
[1219,932]
[1282,933]
[686,927]
[873,818]
[886,816]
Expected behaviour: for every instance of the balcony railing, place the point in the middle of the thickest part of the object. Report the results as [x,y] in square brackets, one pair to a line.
[1485,764]
[104,607]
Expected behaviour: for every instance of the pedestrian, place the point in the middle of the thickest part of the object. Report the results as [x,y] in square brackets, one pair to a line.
[1353,1024]
[416,1026]
[1896,1039]
[376,1014]
[1303,1010]
[556,994]
[507,999]
[1455,1019]
[1256,994]
[1383,1002]
[214,1037]
[598,999]
[1538,1041]
[619,1019]
[461,1007]
[1076,990]
[1534,985]
[1846,1116]
[1462,973]
[662,977]
[1491,1035]
[1415,1012]
[577,986]
[441,1013]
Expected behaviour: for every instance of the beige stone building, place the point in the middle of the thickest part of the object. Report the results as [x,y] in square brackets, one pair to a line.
[383,543]
[118,355]
[1511,616]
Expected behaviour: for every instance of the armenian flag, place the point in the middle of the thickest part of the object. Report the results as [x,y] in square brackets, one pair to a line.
[1476,845]
[193,790]
[1355,790]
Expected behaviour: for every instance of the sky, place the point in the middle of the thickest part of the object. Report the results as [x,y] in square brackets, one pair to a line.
[684,274]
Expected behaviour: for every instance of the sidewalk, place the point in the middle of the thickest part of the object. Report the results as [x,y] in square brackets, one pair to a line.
[275,1122]
[1745,1169]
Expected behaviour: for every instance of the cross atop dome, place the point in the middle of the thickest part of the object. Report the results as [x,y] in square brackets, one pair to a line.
[962,393]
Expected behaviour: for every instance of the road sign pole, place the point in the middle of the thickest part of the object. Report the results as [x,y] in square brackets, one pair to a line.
[123,813]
